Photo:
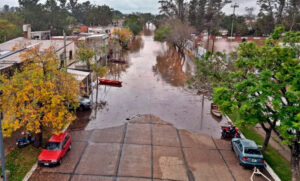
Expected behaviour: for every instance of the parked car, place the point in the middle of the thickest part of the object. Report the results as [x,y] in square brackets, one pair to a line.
[55,150]
[84,103]
[247,152]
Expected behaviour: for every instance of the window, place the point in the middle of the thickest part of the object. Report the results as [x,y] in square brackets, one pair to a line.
[61,56]
[70,55]
[66,140]
[240,146]
[252,151]
[53,146]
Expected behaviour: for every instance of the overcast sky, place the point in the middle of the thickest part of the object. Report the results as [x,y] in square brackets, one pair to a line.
[128,6]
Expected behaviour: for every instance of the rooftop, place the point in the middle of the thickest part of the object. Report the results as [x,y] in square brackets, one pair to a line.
[10,51]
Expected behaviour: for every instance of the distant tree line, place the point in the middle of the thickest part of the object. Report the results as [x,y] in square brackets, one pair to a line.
[207,15]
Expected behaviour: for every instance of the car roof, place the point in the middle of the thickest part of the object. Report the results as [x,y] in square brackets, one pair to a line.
[57,138]
[248,143]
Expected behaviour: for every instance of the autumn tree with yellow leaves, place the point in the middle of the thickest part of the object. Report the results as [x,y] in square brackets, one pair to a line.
[37,97]
[124,35]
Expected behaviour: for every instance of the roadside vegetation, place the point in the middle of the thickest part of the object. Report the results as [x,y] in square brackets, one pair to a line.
[36,97]
[20,161]
[278,163]
[261,85]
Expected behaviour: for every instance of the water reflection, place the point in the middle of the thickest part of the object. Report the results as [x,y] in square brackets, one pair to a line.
[153,83]
[136,44]
[170,67]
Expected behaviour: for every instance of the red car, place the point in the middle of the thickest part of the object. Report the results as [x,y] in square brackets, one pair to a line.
[55,150]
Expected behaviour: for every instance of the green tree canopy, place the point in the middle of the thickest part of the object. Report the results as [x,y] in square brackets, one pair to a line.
[264,88]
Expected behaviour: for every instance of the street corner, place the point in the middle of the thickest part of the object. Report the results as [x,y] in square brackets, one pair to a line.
[108,135]
[80,135]
[99,159]
[49,177]
[168,163]
[195,140]
[91,178]
[135,161]
[69,161]
[138,134]
[165,135]
[207,165]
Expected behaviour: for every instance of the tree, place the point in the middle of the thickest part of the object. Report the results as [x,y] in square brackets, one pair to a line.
[85,54]
[36,98]
[124,36]
[8,30]
[240,28]
[174,10]
[98,71]
[33,14]
[134,23]
[161,33]
[264,89]
[175,32]
[193,12]
[99,15]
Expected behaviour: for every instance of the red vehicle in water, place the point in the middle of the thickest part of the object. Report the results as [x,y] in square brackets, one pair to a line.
[110,82]
[55,150]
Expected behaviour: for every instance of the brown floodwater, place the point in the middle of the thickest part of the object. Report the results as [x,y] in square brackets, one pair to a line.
[153,83]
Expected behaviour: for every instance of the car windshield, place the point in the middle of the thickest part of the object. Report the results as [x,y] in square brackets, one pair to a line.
[252,151]
[53,146]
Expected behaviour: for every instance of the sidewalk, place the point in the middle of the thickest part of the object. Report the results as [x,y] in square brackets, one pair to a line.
[276,143]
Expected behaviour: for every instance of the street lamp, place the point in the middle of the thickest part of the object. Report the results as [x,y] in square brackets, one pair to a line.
[2,146]
[233,14]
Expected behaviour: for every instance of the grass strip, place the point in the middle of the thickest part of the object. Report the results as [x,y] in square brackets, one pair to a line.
[278,163]
[20,161]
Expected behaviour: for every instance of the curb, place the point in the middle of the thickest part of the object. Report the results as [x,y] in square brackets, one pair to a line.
[268,167]
[34,167]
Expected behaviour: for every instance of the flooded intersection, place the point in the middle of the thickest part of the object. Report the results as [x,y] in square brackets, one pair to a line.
[153,83]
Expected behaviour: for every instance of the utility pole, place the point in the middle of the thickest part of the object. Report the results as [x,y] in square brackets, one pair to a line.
[233,15]
[2,147]
[65,51]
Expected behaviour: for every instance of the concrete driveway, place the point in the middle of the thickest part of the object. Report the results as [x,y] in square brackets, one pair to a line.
[145,148]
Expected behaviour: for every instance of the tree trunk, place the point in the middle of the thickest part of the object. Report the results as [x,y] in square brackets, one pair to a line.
[97,87]
[38,139]
[295,162]
[267,138]
[295,158]
[207,43]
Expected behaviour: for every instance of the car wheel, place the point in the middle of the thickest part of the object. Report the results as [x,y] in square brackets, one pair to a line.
[81,108]
[70,147]
[59,162]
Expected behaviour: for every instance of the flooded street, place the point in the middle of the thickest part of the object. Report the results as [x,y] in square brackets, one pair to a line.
[153,83]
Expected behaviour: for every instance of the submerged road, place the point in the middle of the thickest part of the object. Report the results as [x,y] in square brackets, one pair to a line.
[153,83]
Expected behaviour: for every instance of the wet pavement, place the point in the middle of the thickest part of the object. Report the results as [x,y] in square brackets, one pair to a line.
[145,148]
[154,82]
[152,128]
